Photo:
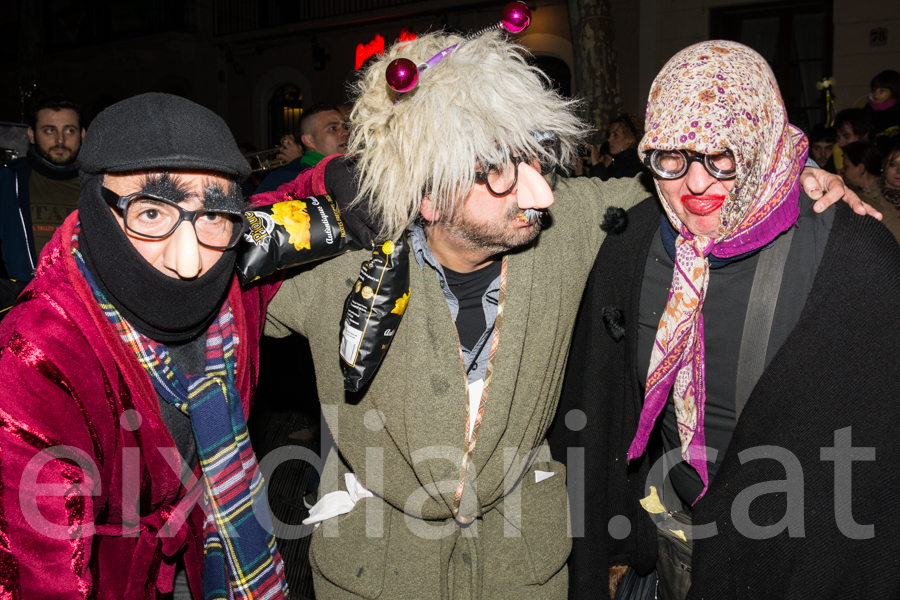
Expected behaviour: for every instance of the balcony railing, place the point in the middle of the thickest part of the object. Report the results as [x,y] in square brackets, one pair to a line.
[88,23]
[236,16]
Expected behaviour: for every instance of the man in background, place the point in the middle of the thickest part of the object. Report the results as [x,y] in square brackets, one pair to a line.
[821,147]
[38,191]
[323,133]
[852,125]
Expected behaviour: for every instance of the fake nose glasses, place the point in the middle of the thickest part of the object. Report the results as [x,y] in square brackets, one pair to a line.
[533,189]
[183,252]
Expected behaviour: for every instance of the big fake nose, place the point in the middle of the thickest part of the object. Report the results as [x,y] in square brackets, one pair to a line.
[533,191]
[183,252]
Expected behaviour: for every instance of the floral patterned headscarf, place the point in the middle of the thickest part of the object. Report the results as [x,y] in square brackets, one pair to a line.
[711,97]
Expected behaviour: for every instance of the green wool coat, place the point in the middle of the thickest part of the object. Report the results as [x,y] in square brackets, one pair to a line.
[403,436]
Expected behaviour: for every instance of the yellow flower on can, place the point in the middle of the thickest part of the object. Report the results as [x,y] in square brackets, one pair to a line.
[293,217]
[400,305]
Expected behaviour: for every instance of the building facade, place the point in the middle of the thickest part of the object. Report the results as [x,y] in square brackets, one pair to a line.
[259,63]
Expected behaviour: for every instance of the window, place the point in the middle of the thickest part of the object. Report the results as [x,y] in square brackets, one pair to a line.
[796,39]
[285,109]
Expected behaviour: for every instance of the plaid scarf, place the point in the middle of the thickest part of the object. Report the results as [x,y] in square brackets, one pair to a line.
[241,557]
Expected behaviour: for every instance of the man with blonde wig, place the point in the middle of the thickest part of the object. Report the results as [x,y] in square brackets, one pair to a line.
[444,480]
[735,365]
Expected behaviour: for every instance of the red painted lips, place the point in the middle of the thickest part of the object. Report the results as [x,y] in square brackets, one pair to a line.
[702,205]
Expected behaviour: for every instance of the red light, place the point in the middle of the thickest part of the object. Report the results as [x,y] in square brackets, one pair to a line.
[376,46]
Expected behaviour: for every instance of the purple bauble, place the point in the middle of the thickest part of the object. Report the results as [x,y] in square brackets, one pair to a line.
[402,75]
[515,17]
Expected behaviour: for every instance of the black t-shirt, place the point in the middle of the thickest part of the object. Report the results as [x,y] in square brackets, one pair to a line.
[469,289]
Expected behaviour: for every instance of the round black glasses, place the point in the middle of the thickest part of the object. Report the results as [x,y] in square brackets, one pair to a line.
[501,178]
[155,218]
[672,164]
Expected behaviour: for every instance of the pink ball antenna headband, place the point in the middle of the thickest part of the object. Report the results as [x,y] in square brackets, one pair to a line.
[403,74]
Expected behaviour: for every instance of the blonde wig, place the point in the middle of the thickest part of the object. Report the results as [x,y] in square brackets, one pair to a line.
[478,106]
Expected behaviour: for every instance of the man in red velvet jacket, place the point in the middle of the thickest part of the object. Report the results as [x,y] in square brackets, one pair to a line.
[105,369]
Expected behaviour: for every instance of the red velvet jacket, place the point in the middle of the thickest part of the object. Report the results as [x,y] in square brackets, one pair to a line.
[70,528]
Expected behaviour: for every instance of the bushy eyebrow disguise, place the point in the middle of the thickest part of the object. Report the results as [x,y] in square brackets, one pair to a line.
[173,187]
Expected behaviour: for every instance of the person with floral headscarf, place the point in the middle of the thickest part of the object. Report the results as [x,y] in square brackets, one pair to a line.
[729,330]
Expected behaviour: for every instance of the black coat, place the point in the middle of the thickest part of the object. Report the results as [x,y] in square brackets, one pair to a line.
[885,125]
[837,369]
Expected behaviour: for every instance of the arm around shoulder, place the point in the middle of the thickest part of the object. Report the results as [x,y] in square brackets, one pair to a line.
[286,311]
[307,290]
[592,198]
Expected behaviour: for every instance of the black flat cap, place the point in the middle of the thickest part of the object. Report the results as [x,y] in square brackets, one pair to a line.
[160,131]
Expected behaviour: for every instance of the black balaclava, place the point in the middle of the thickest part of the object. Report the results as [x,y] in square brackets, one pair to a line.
[153,133]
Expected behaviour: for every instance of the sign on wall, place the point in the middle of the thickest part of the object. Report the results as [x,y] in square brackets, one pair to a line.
[878,36]
[376,46]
